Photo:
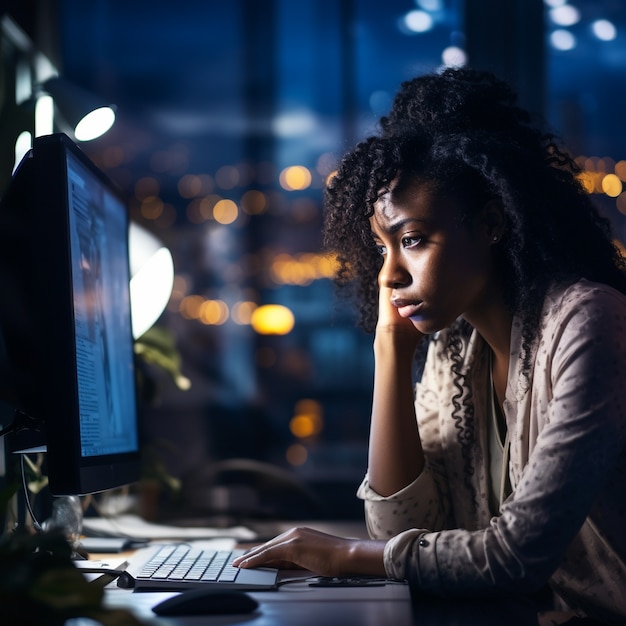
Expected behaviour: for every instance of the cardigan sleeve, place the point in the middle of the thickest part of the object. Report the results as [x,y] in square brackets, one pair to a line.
[415,506]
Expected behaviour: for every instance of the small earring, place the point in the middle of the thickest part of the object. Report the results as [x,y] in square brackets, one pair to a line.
[495,238]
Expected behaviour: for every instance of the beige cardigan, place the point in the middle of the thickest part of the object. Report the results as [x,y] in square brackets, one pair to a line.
[565,521]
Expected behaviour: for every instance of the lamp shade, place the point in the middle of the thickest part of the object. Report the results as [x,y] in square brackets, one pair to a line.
[152,278]
[86,115]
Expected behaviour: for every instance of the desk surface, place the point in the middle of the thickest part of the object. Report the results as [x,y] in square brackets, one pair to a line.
[291,604]
[298,603]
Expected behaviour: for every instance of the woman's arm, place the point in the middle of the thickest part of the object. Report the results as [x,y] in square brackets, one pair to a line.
[395,451]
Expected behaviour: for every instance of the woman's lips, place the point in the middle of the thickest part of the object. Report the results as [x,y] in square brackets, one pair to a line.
[407,309]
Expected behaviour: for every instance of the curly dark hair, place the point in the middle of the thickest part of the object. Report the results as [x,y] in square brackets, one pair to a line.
[462,132]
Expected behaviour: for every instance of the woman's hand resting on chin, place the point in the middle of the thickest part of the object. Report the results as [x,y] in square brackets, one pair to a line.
[323,554]
[391,327]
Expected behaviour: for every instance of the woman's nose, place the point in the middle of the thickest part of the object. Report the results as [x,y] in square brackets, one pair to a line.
[393,273]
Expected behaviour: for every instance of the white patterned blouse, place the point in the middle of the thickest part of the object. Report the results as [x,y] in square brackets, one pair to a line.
[565,521]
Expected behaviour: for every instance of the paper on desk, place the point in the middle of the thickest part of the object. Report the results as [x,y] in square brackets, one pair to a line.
[128,525]
[112,563]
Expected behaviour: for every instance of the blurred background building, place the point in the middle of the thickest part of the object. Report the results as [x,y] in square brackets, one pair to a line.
[230,116]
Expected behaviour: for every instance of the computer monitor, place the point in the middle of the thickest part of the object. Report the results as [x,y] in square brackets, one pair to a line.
[65,316]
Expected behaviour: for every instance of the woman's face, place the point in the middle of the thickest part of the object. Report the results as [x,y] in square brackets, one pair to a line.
[437,268]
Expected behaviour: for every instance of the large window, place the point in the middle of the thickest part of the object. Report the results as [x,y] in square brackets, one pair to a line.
[586,93]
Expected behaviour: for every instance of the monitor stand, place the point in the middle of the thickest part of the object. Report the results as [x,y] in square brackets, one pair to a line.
[67,515]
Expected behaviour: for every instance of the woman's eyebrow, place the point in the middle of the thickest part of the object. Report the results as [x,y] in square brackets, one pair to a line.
[391,229]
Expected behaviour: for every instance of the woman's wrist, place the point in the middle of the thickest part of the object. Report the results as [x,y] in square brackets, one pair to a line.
[396,345]
[365,557]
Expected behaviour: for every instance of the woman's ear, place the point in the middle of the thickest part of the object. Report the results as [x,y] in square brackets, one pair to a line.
[492,220]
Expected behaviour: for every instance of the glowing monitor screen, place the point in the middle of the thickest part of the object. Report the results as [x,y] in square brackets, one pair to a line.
[104,358]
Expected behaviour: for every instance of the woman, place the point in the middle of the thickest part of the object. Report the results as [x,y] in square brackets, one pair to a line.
[465,227]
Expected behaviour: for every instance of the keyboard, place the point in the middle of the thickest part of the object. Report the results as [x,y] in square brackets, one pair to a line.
[181,566]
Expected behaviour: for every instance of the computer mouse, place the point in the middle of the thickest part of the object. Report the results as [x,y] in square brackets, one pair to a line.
[207,602]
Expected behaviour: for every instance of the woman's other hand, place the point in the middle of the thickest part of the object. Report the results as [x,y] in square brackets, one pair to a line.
[323,554]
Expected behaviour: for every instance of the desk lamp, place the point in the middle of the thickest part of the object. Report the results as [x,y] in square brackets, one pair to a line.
[86,116]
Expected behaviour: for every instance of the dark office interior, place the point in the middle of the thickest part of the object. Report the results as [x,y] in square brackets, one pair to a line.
[229,118]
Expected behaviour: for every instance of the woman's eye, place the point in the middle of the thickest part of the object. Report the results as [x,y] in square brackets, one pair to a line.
[382,250]
[408,242]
